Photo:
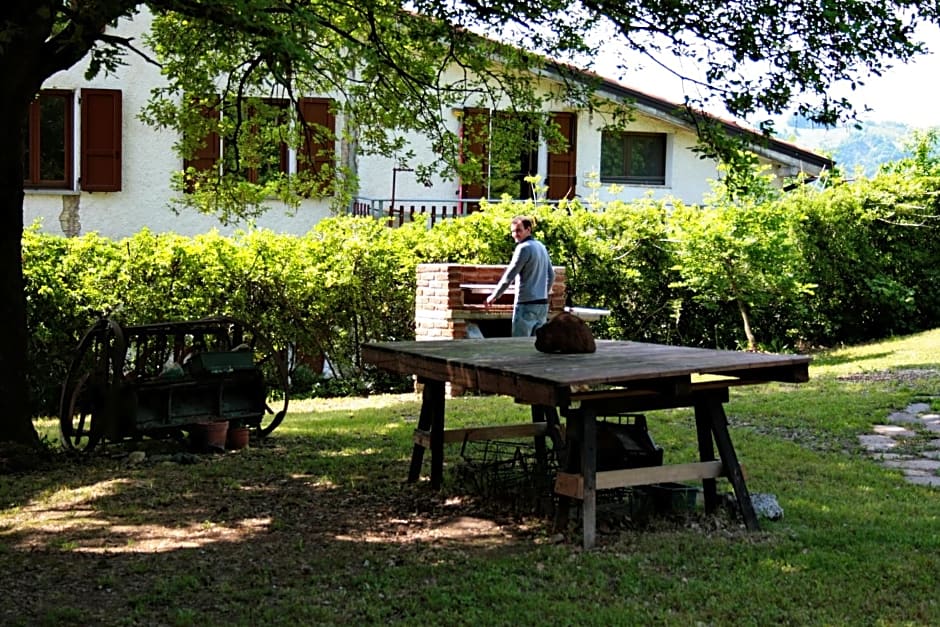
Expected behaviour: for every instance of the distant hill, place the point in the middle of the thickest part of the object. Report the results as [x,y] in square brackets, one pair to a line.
[854,150]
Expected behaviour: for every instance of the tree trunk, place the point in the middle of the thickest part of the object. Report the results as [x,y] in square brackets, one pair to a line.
[748,333]
[15,421]
[32,49]
[22,69]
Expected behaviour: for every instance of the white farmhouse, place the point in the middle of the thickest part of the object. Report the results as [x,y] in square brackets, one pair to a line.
[93,166]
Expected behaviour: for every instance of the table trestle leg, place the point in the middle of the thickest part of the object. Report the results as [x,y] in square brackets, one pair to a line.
[430,420]
[712,410]
[706,453]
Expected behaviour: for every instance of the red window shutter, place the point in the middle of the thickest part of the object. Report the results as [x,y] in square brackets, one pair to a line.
[319,151]
[101,140]
[562,165]
[475,143]
[207,156]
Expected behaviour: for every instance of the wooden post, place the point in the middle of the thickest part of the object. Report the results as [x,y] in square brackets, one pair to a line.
[431,420]
[719,423]
[434,391]
[706,453]
[424,424]
[588,432]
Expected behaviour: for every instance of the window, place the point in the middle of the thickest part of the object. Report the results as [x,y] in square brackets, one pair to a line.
[638,158]
[501,149]
[265,145]
[48,151]
[268,149]
[47,154]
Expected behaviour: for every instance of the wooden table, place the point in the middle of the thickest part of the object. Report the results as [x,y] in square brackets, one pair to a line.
[620,377]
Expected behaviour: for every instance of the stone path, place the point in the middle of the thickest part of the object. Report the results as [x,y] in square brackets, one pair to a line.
[910,442]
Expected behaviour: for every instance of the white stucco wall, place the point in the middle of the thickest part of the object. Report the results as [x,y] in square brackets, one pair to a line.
[149,161]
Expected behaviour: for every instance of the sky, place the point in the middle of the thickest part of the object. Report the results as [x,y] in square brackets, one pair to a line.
[904,93]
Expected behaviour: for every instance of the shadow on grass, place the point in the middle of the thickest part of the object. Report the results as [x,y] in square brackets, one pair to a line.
[836,359]
[109,540]
[323,529]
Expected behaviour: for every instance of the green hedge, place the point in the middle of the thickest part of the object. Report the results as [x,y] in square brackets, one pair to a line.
[351,280]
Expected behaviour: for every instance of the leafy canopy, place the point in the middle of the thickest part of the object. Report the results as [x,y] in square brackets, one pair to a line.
[388,60]
[394,68]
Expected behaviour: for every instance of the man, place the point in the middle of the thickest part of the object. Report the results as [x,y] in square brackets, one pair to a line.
[532,270]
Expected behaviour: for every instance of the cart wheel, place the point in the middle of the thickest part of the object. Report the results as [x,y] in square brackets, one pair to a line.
[265,428]
[87,404]
[77,420]
[275,366]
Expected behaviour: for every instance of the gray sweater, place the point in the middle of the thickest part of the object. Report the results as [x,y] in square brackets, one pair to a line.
[533,267]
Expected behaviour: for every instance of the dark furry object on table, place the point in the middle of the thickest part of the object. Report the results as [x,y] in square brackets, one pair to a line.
[565,333]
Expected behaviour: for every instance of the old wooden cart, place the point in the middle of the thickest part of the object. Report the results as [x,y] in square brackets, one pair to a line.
[162,379]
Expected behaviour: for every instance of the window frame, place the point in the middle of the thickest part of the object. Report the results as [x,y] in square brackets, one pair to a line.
[32,143]
[626,178]
[555,164]
[310,157]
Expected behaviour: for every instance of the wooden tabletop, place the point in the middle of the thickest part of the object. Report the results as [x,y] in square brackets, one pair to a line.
[513,367]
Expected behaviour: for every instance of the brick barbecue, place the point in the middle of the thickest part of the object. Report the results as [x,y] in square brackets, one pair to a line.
[450,297]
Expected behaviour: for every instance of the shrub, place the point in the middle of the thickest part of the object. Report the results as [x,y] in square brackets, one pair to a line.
[869,246]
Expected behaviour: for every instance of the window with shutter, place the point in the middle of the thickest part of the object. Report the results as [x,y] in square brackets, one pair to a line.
[101,140]
[271,156]
[265,135]
[513,154]
[499,150]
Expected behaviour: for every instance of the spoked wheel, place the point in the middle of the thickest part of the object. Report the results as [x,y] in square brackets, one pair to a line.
[274,366]
[87,403]
[83,403]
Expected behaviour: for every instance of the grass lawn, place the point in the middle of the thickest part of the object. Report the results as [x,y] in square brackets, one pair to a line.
[316,525]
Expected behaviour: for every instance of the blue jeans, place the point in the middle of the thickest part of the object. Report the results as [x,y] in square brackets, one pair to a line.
[527,318]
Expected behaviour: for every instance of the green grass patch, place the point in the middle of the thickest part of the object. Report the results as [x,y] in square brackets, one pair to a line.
[317,525]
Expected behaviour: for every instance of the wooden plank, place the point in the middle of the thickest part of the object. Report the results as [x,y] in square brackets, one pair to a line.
[644,400]
[571,484]
[422,438]
[515,362]
[473,434]
[659,474]
[678,387]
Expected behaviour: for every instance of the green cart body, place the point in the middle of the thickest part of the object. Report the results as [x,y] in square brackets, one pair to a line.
[162,379]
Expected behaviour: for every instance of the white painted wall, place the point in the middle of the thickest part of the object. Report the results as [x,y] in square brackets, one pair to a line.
[149,161]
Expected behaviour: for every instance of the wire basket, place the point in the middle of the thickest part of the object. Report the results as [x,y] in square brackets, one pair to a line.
[507,470]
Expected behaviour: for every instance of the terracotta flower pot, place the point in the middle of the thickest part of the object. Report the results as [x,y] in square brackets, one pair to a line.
[209,436]
[237,438]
